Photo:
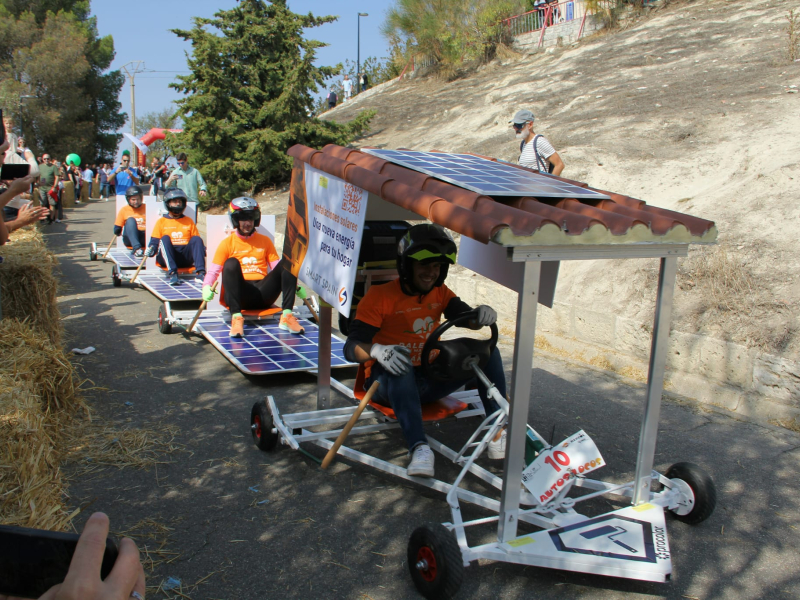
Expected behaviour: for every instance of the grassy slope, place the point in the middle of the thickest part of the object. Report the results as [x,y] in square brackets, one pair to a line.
[688,110]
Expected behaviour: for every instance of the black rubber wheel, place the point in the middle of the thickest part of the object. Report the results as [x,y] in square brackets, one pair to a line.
[92,255]
[117,281]
[703,488]
[261,424]
[435,562]
[164,326]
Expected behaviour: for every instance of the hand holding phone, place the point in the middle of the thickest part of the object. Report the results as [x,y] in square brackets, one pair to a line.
[88,567]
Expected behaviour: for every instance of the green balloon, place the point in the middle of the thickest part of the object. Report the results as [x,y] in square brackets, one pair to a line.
[74,159]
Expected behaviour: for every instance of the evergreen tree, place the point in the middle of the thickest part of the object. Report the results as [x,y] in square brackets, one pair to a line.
[249,96]
[50,49]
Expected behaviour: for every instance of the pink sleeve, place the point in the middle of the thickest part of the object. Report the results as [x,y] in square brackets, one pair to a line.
[272,264]
[211,275]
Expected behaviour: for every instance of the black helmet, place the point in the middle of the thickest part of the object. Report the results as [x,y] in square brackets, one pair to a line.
[244,208]
[175,194]
[426,243]
[132,191]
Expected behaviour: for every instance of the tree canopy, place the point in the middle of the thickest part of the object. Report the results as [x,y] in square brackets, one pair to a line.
[50,49]
[249,96]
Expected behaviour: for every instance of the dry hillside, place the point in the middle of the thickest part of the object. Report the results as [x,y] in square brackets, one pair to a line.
[692,109]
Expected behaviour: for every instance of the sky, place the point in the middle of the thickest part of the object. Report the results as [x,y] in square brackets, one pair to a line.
[141,32]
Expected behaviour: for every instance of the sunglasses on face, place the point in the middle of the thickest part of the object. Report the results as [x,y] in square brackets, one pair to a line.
[181,162]
[518,126]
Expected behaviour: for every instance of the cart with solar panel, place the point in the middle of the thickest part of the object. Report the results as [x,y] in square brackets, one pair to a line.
[517,225]
[264,349]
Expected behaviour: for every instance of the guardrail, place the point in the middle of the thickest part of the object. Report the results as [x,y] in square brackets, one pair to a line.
[551,14]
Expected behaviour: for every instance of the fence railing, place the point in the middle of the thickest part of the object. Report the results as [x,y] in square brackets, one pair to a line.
[548,15]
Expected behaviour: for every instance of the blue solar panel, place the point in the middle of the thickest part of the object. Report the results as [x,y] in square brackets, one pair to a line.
[267,349]
[157,283]
[484,176]
[124,258]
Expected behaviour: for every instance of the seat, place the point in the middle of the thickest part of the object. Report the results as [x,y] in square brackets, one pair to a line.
[432,411]
[256,314]
[181,270]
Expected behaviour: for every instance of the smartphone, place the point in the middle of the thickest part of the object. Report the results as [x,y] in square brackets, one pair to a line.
[2,129]
[34,560]
[178,177]
[12,171]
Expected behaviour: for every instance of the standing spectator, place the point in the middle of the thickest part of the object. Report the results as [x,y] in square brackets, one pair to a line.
[124,176]
[347,86]
[331,98]
[48,182]
[535,151]
[159,176]
[363,82]
[18,155]
[102,180]
[86,183]
[188,179]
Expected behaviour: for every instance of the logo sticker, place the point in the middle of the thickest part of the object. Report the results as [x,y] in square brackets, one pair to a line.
[342,296]
[613,536]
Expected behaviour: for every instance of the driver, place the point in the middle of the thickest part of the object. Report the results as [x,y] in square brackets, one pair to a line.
[252,272]
[390,329]
[130,221]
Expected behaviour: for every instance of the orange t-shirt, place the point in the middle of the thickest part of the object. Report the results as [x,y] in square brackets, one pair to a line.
[179,230]
[255,254]
[403,319]
[126,212]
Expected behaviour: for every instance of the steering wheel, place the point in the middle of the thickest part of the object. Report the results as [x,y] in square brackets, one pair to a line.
[455,357]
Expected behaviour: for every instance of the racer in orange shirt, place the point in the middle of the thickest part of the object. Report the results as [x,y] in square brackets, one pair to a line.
[177,240]
[253,275]
[130,221]
[390,329]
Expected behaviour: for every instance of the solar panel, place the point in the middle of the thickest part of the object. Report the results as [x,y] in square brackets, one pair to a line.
[124,258]
[266,349]
[158,284]
[484,176]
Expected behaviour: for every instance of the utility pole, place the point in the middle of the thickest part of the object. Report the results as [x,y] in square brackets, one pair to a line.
[358,53]
[131,69]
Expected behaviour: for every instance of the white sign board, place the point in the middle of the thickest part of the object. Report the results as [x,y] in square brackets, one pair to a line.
[336,212]
[549,473]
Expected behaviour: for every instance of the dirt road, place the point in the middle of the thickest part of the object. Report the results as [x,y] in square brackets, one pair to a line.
[200,517]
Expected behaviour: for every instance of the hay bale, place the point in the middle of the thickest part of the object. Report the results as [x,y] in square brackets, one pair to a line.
[30,357]
[28,284]
[31,487]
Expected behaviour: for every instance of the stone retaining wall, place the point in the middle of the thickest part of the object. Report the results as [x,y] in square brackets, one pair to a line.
[741,379]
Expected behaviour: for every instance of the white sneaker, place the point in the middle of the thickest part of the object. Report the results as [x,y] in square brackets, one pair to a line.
[497,448]
[421,463]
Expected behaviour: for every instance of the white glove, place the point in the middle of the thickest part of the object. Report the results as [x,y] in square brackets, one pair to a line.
[486,315]
[395,359]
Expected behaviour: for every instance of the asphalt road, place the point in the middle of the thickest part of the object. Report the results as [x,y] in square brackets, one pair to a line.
[343,533]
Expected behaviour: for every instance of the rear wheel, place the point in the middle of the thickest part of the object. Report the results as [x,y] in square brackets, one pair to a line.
[115,278]
[435,562]
[92,255]
[261,425]
[698,489]
[164,326]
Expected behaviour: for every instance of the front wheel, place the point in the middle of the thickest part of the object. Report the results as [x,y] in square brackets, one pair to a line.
[435,563]
[698,489]
[164,326]
[115,279]
[261,425]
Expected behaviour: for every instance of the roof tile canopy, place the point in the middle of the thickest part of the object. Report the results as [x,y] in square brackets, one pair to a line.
[522,221]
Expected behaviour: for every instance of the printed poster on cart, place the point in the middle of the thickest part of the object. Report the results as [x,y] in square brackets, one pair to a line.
[324,225]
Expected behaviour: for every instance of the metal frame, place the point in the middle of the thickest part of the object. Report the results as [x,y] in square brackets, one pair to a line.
[517,504]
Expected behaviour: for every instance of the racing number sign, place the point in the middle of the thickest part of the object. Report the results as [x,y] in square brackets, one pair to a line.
[549,473]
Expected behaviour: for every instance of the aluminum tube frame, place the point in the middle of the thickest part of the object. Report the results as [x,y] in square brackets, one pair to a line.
[324,357]
[655,380]
[520,399]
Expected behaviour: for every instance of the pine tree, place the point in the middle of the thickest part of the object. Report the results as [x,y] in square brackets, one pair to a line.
[50,49]
[249,96]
